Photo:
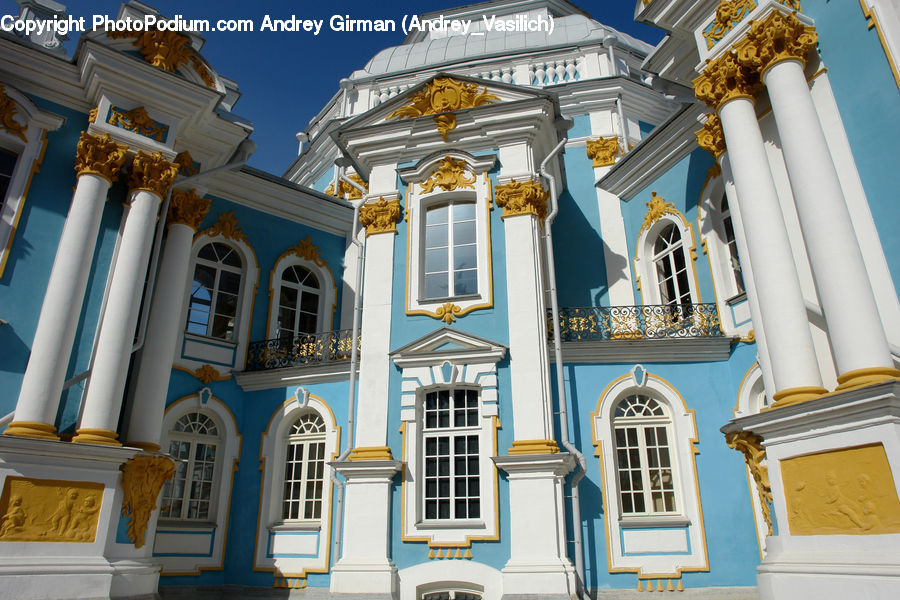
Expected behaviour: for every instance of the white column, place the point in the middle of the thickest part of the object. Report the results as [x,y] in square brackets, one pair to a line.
[160,346]
[98,162]
[781,305]
[857,335]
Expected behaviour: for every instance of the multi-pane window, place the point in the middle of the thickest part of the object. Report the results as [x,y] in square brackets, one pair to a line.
[451,455]
[298,303]
[7,166]
[193,442]
[304,469]
[215,291]
[452,595]
[671,268]
[728,230]
[451,262]
[642,430]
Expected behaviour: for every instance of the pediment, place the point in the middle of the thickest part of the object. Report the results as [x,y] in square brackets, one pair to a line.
[447,344]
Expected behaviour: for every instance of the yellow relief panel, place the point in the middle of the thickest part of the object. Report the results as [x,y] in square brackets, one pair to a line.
[849,491]
[48,510]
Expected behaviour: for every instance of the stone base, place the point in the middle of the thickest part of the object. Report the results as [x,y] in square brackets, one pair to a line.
[522,581]
[370,581]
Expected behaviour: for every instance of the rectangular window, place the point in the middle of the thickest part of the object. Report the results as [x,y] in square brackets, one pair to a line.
[645,470]
[303,479]
[451,262]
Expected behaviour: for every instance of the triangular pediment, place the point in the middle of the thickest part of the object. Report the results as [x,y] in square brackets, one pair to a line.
[446,344]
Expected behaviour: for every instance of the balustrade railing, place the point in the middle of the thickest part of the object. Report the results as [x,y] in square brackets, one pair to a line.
[637,322]
[304,349]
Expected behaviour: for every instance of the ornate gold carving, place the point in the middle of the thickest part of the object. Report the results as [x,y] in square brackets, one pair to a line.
[99,155]
[207,374]
[167,50]
[370,453]
[711,138]
[8,110]
[346,188]
[380,217]
[450,174]
[522,198]
[142,478]
[656,209]
[187,208]
[92,115]
[205,76]
[47,510]
[776,38]
[725,79]
[533,447]
[152,172]
[448,312]
[138,121]
[603,151]
[728,14]
[750,445]
[186,165]
[846,491]
[307,250]
[442,95]
[227,227]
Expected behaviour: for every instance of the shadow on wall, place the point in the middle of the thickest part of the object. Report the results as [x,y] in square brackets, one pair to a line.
[579,254]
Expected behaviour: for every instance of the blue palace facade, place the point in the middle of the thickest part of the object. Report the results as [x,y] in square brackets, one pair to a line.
[532,315]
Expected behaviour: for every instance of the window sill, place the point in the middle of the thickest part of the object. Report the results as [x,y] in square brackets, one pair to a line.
[451,524]
[644,521]
[296,526]
[461,298]
[740,297]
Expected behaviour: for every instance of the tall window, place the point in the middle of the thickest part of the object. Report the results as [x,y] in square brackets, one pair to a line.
[451,262]
[728,230]
[215,292]
[450,438]
[7,166]
[193,443]
[304,469]
[642,432]
[298,303]
[671,267]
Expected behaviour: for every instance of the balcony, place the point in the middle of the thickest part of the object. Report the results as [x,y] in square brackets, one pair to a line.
[315,349]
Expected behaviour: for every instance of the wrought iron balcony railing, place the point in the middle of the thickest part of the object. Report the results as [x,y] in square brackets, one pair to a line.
[304,349]
[638,322]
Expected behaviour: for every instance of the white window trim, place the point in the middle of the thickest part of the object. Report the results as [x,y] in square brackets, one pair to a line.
[646,268]
[238,343]
[646,529]
[327,291]
[171,533]
[30,155]
[417,202]
[293,548]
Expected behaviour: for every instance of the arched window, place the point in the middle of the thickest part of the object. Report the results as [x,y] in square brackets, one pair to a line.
[193,442]
[298,303]
[671,267]
[451,257]
[304,468]
[642,432]
[728,231]
[215,291]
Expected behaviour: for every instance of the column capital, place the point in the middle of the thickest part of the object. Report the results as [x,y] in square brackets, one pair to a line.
[99,155]
[381,216]
[521,198]
[152,172]
[187,208]
[725,79]
[774,39]
[711,138]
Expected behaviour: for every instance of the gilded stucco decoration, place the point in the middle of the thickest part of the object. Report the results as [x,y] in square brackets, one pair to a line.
[207,374]
[142,478]
[8,110]
[186,164]
[305,249]
[728,14]
[750,445]
[522,198]
[99,155]
[381,216]
[841,492]
[152,172]
[347,190]
[187,208]
[227,227]
[656,209]
[167,50]
[92,115]
[448,312]
[440,97]
[450,174]
[48,510]
[777,38]
[603,151]
[138,121]
[725,79]
[711,138]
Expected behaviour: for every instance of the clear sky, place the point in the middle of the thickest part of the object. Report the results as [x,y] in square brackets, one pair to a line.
[285,78]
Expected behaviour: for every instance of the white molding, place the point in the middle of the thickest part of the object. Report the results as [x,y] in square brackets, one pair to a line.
[709,349]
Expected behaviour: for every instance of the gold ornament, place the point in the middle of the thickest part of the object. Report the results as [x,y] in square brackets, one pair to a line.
[728,14]
[346,188]
[138,121]
[187,208]
[92,115]
[142,478]
[99,155]
[777,38]
[207,374]
[152,172]
[521,198]
[750,445]
[450,175]
[448,312]
[711,138]
[603,151]
[380,217]
[443,95]
[307,250]
[725,79]
[227,227]
[8,110]
[47,510]
[185,162]
[656,208]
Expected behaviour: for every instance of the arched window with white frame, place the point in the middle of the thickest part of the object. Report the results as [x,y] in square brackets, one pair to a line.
[302,294]
[194,443]
[304,468]
[215,291]
[670,264]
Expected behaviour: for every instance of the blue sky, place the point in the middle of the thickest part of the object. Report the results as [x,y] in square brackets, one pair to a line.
[286,78]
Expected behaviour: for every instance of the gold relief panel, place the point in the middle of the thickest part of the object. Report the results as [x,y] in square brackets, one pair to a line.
[49,510]
[138,121]
[450,174]
[603,151]
[99,155]
[776,38]
[521,198]
[728,14]
[8,110]
[187,208]
[443,95]
[152,172]
[849,491]
[381,216]
[725,79]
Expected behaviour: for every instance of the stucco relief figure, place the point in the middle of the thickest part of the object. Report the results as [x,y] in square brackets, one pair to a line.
[14,519]
[59,520]
[45,510]
[83,519]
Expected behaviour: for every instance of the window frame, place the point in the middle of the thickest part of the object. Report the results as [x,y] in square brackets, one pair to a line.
[645,259]
[193,439]
[327,292]
[452,204]
[307,441]
[219,267]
